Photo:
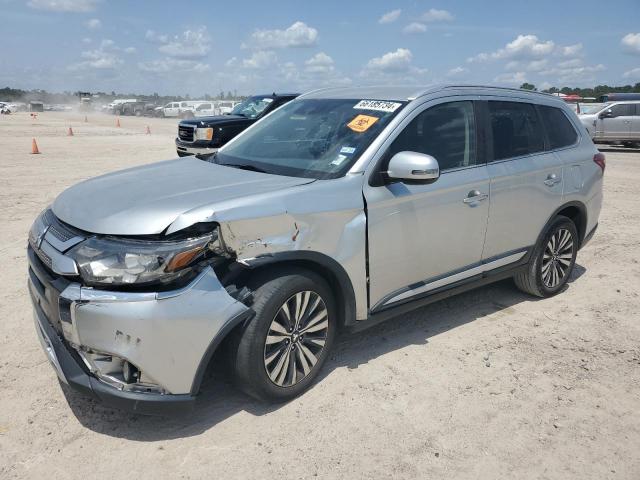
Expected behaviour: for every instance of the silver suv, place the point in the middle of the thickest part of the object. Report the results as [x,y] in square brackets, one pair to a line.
[340,209]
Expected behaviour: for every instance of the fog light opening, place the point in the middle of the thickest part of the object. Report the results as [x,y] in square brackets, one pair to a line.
[130,373]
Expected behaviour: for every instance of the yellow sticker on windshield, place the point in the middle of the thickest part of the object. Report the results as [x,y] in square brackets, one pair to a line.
[362,123]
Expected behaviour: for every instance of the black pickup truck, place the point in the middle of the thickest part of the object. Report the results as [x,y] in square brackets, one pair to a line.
[203,136]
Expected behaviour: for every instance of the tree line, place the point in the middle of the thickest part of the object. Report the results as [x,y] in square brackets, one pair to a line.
[596,91]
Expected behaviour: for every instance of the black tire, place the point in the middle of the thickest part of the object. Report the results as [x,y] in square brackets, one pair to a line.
[533,279]
[271,290]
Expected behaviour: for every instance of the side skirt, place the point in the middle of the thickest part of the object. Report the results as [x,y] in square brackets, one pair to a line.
[440,294]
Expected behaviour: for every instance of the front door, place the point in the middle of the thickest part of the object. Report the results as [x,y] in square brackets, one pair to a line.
[425,236]
[617,125]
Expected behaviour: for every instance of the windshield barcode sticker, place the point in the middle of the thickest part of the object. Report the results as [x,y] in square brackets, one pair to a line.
[378,105]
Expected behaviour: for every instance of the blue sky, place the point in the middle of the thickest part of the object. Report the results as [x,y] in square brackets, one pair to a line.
[190,47]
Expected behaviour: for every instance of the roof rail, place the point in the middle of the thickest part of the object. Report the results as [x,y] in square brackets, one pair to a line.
[443,86]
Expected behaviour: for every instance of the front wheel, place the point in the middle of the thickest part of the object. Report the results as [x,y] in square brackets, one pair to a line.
[552,260]
[281,351]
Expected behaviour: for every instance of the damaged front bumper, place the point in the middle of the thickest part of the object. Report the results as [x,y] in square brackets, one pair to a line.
[140,351]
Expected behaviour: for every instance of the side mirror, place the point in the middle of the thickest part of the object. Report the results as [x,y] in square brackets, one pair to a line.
[413,167]
[606,114]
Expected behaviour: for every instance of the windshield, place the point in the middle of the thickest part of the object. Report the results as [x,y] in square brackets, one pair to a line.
[592,108]
[252,107]
[315,138]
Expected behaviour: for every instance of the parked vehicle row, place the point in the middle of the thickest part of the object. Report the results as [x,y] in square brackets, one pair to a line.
[340,209]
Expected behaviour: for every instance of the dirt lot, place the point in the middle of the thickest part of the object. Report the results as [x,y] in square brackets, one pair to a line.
[491,384]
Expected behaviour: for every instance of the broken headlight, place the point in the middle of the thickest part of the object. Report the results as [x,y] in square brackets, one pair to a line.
[118,261]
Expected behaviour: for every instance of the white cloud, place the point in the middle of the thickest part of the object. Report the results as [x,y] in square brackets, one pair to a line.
[173,65]
[457,71]
[571,50]
[532,66]
[93,24]
[155,37]
[634,73]
[86,40]
[574,71]
[190,44]
[260,60]
[100,58]
[320,63]
[415,27]
[523,47]
[63,5]
[515,78]
[631,42]
[435,15]
[104,57]
[390,17]
[398,61]
[298,34]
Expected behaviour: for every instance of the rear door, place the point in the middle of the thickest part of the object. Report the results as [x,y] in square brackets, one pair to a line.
[635,124]
[425,236]
[526,180]
[617,125]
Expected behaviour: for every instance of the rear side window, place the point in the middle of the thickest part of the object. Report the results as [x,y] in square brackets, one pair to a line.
[446,132]
[559,129]
[516,129]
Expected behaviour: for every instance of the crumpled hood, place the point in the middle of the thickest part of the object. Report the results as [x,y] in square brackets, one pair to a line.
[146,200]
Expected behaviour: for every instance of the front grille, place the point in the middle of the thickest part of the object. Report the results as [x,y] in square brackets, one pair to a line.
[60,231]
[46,259]
[185,133]
[45,287]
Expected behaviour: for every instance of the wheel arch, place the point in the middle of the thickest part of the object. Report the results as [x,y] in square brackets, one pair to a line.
[577,212]
[321,264]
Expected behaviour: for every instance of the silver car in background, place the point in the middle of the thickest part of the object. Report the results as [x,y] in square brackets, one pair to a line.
[340,209]
[615,122]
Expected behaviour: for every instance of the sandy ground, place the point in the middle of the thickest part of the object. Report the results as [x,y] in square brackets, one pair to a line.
[491,384]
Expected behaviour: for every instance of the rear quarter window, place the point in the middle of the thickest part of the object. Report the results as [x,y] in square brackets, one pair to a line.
[559,129]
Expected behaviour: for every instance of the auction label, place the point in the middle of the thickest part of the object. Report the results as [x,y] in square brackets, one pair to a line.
[379,105]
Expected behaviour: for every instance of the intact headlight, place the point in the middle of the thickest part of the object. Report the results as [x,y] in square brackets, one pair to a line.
[204,133]
[117,261]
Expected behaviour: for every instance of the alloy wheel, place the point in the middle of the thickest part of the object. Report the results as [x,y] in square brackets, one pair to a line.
[296,338]
[557,258]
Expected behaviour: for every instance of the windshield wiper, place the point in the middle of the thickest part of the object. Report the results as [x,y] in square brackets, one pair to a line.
[242,166]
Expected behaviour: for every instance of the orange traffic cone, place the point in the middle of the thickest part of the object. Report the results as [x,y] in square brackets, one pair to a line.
[118,122]
[34,147]
[85,119]
[70,133]
[148,130]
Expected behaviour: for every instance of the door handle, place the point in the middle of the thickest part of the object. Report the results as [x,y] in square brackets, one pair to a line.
[474,197]
[551,180]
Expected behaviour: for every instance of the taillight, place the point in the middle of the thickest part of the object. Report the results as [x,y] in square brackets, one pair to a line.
[600,160]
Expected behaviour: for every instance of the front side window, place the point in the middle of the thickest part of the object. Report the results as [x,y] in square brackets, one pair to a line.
[252,107]
[559,129]
[446,132]
[315,138]
[622,110]
[516,129]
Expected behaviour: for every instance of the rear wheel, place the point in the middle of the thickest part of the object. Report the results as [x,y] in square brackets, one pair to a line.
[552,260]
[281,351]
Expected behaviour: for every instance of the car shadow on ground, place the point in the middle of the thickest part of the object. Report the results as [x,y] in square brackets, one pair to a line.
[219,399]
